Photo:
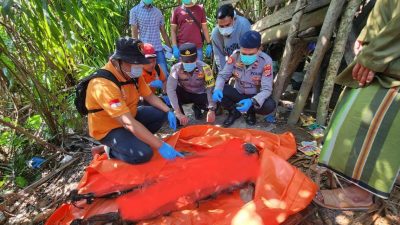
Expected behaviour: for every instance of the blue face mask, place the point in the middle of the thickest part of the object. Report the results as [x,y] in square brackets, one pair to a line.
[226,31]
[187,2]
[248,59]
[136,72]
[189,67]
[148,2]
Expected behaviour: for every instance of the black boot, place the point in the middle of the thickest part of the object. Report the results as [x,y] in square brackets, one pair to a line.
[219,111]
[251,119]
[232,116]
[197,112]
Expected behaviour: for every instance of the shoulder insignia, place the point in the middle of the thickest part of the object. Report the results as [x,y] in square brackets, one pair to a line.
[231,60]
[208,76]
[267,70]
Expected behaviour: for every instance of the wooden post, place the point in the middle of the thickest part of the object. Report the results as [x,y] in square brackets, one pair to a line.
[334,11]
[336,58]
[299,51]
[283,74]
[272,3]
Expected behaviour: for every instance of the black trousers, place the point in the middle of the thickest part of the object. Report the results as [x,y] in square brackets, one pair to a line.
[232,96]
[184,97]
[127,147]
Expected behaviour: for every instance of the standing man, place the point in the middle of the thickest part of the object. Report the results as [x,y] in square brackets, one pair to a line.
[252,70]
[225,37]
[146,23]
[189,25]
[191,81]
[114,116]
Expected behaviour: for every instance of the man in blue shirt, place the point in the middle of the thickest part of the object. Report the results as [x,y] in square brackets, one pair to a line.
[225,37]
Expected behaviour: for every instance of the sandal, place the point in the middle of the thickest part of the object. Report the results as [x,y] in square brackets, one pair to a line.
[336,199]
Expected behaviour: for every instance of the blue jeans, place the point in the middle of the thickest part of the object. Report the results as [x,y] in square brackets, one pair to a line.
[200,54]
[162,62]
[127,147]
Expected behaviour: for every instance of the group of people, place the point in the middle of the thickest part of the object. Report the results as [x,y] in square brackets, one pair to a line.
[125,124]
[131,114]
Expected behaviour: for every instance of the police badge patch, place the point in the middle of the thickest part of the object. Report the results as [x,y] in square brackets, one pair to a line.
[231,60]
[267,70]
[209,76]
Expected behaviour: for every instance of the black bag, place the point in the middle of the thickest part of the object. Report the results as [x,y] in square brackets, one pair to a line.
[80,91]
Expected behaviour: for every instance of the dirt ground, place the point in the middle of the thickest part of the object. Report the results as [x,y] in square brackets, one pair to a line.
[35,206]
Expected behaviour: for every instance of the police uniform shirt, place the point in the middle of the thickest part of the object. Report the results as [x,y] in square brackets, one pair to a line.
[200,81]
[256,79]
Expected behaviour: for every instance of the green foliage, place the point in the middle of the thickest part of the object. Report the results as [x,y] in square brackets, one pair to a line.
[3,181]
[21,182]
[34,122]
[45,48]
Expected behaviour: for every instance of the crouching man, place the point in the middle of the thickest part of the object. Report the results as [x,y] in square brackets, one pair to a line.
[191,81]
[114,117]
[252,70]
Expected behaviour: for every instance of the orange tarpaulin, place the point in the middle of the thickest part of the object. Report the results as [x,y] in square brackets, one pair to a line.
[281,189]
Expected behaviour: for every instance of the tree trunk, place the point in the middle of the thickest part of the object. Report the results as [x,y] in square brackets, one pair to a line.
[336,58]
[299,51]
[334,11]
[289,49]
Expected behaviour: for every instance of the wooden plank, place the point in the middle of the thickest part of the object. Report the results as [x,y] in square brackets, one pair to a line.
[276,33]
[227,2]
[272,3]
[286,14]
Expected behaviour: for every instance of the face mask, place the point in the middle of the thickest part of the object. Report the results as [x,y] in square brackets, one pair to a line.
[136,72]
[226,31]
[189,67]
[148,2]
[248,59]
[188,2]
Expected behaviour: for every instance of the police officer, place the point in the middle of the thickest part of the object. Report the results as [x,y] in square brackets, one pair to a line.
[252,70]
[191,81]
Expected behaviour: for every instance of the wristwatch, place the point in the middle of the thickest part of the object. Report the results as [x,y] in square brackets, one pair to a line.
[211,108]
[255,103]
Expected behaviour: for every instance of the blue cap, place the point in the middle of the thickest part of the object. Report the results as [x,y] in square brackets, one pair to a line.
[250,39]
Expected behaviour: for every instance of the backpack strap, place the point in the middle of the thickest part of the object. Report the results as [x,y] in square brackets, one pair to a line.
[158,70]
[203,38]
[102,73]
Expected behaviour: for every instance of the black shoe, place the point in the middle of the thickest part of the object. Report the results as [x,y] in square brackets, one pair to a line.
[219,110]
[197,112]
[233,115]
[251,119]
